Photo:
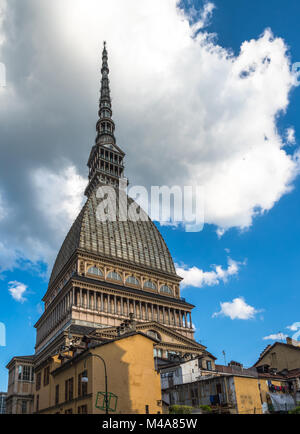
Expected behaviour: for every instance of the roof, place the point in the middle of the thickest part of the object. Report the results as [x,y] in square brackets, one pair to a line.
[271,376]
[270,347]
[100,344]
[80,330]
[20,358]
[136,242]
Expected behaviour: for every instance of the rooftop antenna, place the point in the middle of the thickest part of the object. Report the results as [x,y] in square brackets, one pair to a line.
[224,354]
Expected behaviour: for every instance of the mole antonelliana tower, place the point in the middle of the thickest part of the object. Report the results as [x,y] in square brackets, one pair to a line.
[109,271]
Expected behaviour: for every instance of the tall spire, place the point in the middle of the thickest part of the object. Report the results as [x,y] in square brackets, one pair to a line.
[105,124]
[106,159]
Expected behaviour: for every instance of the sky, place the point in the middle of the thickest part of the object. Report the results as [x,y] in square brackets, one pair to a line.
[204,93]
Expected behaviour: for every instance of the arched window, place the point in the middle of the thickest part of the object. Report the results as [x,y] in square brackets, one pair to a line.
[114,276]
[150,285]
[166,290]
[133,280]
[95,270]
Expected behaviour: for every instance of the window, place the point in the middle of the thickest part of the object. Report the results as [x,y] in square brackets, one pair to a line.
[166,290]
[24,407]
[147,409]
[56,394]
[114,276]
[82,409]
[150,285]
[46,375]
[26,373]
[69,389]
[69,411]
[208,365]
[95,270]
[219,388]
[37,402]
[132,280]
[38,381]
[82,387]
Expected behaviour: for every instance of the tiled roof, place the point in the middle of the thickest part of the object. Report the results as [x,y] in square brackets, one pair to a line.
[267,350]
[138,242]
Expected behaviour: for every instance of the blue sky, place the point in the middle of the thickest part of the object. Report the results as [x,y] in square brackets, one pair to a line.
[266,251]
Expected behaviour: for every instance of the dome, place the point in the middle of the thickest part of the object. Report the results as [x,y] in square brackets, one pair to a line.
[138,243]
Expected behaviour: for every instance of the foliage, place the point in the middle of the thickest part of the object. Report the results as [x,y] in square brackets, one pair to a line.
[205,408]
[180,409]
[295,410]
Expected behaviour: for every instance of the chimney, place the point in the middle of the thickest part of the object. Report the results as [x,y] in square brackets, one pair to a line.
[293,342]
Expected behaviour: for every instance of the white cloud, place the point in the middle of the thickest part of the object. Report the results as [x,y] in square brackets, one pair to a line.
[59,196]
[205,114]
[275,337]
[290,136]
[17,291]
[294,327]
[237,309]
[198,278]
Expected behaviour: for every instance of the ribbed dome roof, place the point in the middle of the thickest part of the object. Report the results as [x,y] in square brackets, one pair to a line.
[139,243]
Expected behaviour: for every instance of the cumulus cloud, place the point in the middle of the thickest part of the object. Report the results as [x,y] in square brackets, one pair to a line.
[290,136]
[187,111]
[59,196]
[294,327]
[198,278]
[17,291]
[237,309]
[275,337]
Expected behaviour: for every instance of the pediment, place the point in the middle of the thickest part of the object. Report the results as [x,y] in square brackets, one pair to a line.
[168,335]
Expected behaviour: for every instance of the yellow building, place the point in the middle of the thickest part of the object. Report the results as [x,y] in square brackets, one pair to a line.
[281,356]
[133,385]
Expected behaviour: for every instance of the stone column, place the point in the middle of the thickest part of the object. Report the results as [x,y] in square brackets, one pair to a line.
[191,324]
[95,300]
[128,307]
[141,312]
[185,320]
[122,305]
[152,311]
[73,296]
[80,297]
[102,303]
[116,307]
[169,311]
[134,308]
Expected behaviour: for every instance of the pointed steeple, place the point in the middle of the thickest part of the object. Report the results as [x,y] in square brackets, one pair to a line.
[106,158]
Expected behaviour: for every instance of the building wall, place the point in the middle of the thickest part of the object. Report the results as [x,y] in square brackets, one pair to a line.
[264,388]
[282,357]
[19,391]
[187,372]
[136,384]
[247,395]
[131,377]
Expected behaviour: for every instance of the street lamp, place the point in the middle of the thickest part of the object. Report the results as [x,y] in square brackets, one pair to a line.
[84,378]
